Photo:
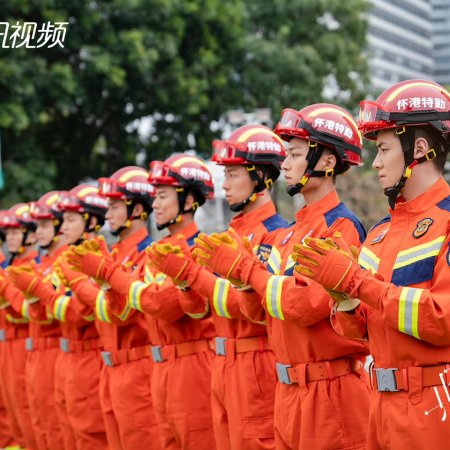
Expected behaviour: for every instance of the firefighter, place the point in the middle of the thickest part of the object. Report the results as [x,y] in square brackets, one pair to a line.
[20,234]
[125,395]
[42,345]
[180,345]
[321,399]
[401,277]
[243,376]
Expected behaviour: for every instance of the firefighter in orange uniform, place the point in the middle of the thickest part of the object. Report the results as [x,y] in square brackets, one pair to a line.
[243,376]
[400,285]
[180,345]
[20,240]
[321,400]
[42,345]
[77,365]
[125,395]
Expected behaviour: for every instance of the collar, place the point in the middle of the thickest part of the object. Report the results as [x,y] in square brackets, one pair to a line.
[424,201]
[131,241]
[20,260]
[318,209]
[243,221]
[187,232]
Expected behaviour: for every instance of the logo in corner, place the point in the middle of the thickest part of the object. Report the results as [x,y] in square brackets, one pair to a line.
[422,227]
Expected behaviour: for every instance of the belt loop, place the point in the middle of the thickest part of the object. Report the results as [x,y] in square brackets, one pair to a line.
[329,370]
[301,375]
[405,379]
[230,345]
[261,343]
[415,382]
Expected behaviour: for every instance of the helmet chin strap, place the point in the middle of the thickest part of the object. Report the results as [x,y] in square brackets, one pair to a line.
[261,184]
[314,153]
[407,136]
[182,194]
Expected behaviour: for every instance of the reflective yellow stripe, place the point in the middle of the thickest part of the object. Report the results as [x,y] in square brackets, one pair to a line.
[274,261]
[134,296]
[419,252]
[273,296]
[200,315]
[160,278]
[148,275]
[368,260]
[25,310]
[221,288]
[408,311]
[290,264]
[12,319]
[60,307]
[101,310]
[125,313]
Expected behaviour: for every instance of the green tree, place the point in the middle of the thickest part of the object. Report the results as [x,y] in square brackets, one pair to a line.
[68,113]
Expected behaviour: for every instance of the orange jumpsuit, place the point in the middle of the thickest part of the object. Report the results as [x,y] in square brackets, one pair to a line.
[125,395]
[42,349]
[321,402]
[77,369]
[182,354]
[405,315]
[243,375]
[13,332]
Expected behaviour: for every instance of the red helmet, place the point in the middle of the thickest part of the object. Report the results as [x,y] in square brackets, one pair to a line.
[408,103]
[47,206]
[326,124]
[18,216]
[128,183]
[184,171]
[250,144]
[82,199]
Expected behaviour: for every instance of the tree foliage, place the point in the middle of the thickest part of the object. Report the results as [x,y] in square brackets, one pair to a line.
[69,113]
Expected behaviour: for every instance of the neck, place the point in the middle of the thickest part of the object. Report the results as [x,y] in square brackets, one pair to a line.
[56,245]
[134,227]
[422,178]
[318,192]
[261,199]
[178,227]
[27,250]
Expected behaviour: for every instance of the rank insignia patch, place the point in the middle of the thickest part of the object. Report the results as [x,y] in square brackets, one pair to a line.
[422,227]
[380,236]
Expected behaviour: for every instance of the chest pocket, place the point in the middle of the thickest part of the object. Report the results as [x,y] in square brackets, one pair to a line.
[416,264]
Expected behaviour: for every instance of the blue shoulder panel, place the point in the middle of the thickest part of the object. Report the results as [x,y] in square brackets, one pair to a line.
[384,220]
[144,243]
[274,222]
[190,241]
[341,210]
[444,204]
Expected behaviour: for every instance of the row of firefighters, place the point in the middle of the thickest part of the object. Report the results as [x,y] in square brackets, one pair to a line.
[251,338]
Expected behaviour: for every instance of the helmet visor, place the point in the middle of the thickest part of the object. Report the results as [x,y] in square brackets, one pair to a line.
[69,202]
[40,211]
[227,152]
[289,125]
[161,173]
[372,117]
[110,188]
[9,221]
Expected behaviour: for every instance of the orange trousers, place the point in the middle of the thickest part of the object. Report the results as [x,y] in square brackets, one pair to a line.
[127,407]
[181,391]
[77,400]
[6,438]
[322,415]
[40,383]
[13,361]
[398,421]
[243,396]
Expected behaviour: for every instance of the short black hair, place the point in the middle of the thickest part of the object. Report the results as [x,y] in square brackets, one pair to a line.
[435,141]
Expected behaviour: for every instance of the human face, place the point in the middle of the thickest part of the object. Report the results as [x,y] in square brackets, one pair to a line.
[389,161]
[45,232]
[165,205]
[73,227]
[295,163]
[238,185]
[117,214]
[14,237]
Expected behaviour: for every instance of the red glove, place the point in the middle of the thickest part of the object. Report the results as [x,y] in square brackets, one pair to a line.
[68,276]
[91,257]
[24,277]
[326,263]
[226,254]
[171,260]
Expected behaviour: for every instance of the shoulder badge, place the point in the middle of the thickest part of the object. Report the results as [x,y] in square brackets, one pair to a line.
[380,235]
[422,227]
[251,236]
[287,237]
